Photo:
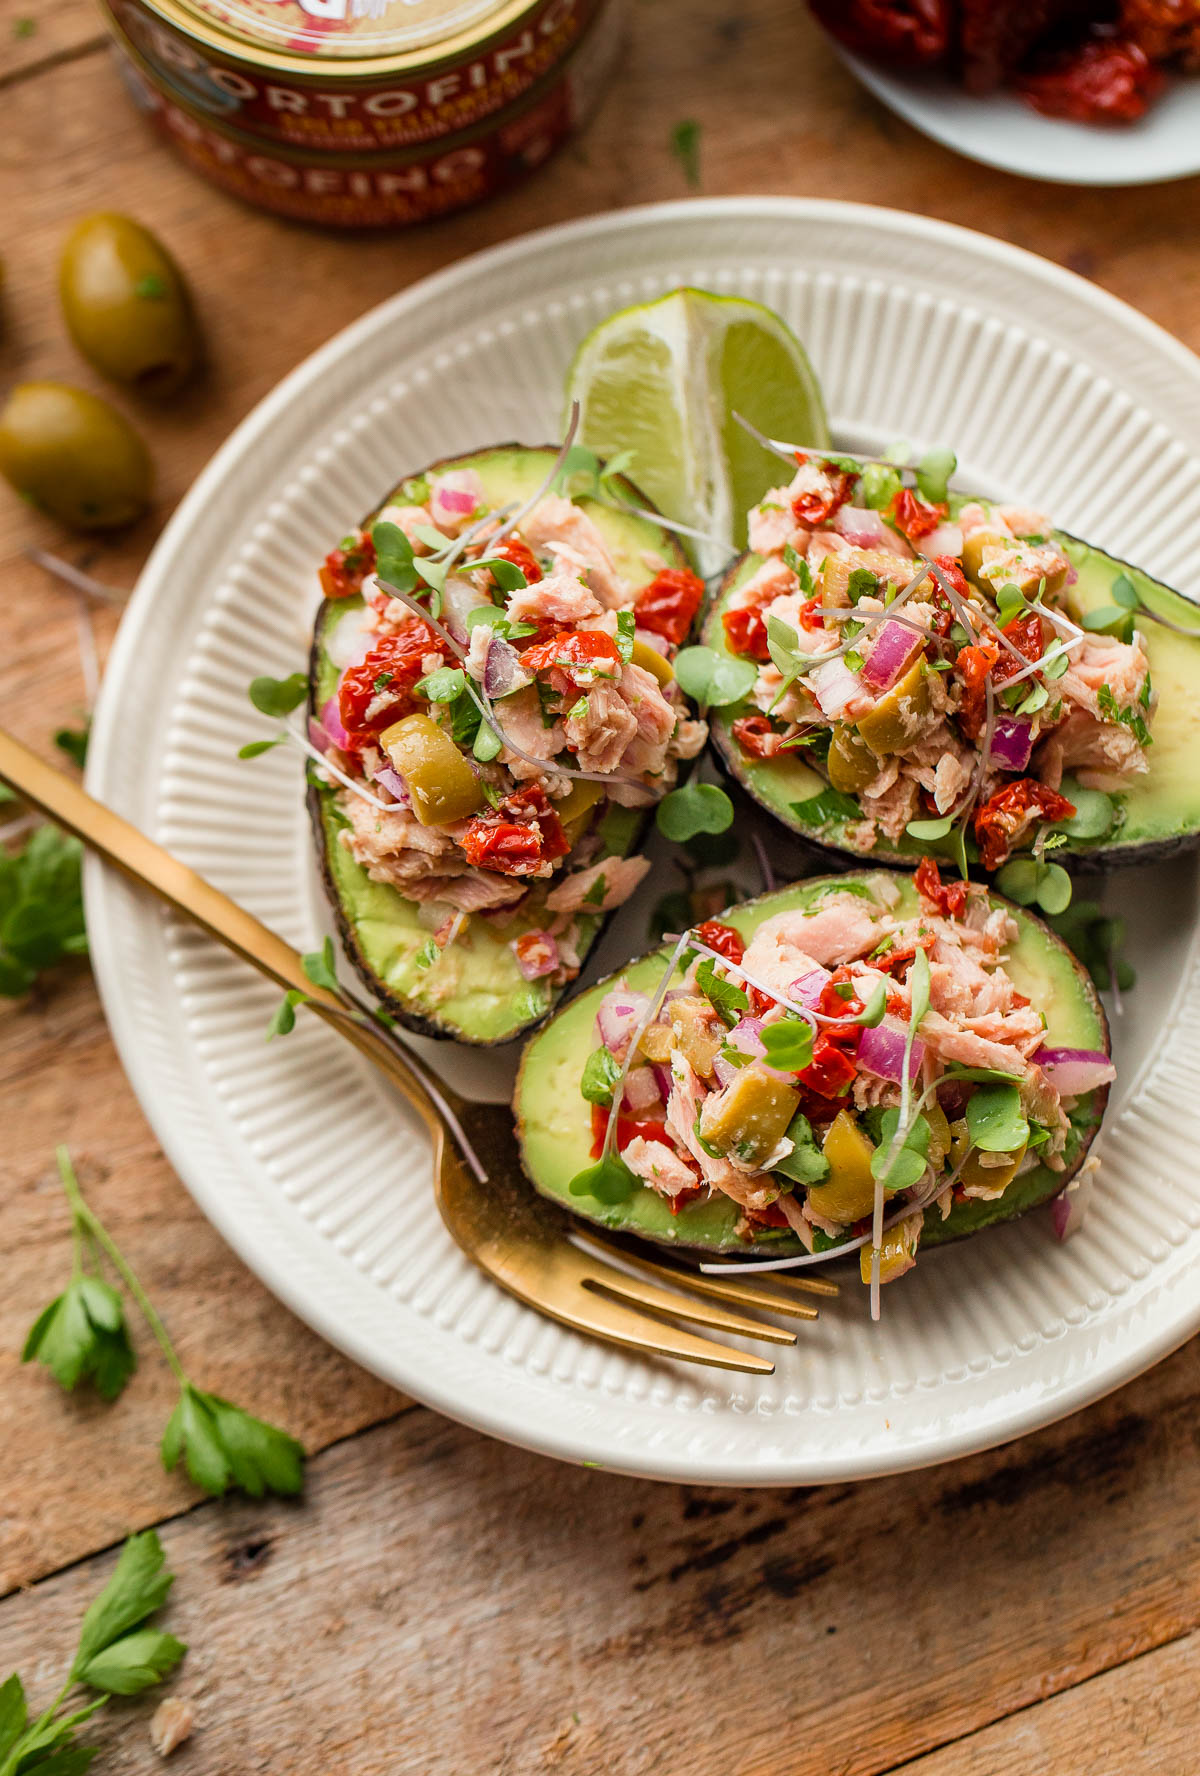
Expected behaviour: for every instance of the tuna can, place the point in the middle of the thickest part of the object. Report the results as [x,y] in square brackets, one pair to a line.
[366,113]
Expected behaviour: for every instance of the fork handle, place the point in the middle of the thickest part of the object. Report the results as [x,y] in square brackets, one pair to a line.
[115,839]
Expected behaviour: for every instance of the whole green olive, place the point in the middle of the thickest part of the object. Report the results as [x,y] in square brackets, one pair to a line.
[71,454]
[126,304]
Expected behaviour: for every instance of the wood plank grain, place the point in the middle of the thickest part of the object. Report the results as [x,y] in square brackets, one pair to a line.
[35,34]
[443,1604]
[74,1473]
[1140,1720]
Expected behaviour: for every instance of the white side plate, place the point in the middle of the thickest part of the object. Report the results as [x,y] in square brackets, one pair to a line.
[1003,131]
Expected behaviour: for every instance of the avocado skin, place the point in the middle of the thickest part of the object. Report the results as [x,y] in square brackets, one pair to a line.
[964,1219]
[1081,858]
[420,1022]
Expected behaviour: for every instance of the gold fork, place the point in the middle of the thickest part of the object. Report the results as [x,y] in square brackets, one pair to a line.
[532,1249]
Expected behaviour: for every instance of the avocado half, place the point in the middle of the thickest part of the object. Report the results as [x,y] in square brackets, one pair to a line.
[1161,809]
[554,1128]
[473,991]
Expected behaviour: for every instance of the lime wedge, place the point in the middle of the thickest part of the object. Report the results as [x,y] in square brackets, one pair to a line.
[664,380]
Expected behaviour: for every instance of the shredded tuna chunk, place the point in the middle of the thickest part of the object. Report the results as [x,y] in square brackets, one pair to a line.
[520,717]
[601,730]
[561,597]
[772,527]
[658,1166]
[599,888]
[843,926]
[555,520]
[472,892]
[394,847]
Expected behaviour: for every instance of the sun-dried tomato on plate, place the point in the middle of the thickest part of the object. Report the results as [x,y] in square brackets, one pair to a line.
[914,33]
[1101,80]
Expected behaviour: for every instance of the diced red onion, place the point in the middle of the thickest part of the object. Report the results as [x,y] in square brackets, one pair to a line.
[347,643]
[662,1075]
[746,1038]
[317,736]
[894,647]
[881,1051]
[641,1089]
[618,1016]
[836,686]
[861,526]
[1068,1210]
[808,989]
[393,782]
[536,955]
[331,720]
[454,496]
[1012,743]
[947,539]
[459,598]
[1073,1071]
[503,672]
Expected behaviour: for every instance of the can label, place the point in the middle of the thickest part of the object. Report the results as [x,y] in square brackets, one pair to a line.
[361,115]
[388,191]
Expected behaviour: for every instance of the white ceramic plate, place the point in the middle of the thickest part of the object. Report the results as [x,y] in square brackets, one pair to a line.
[319,1179]
[1002,131]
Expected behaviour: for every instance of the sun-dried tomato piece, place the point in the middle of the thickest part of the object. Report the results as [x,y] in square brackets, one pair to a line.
[1102,80]
[756,736]
[949,898]
[668,605]
[520,554]
[914,33]
[914,517]
[972,666]
[817,505]
[995,39]
[746,633]
[518,836]
[722,938]
[344,570]
[831,1072]
[1004,819]
[1025,633]
[383,683]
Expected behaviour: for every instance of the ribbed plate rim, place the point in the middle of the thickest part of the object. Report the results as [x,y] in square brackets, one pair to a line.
[573,1440]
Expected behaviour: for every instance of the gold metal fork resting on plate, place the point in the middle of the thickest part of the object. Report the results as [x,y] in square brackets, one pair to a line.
[532,1249]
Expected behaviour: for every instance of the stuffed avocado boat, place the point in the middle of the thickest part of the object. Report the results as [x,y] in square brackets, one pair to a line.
[492,695]
[867,1062]
[953,675]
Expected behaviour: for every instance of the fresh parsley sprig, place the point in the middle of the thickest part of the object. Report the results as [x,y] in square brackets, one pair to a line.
[119,1654]
[74,741]
[83,1333]
[685,146]
[41,908]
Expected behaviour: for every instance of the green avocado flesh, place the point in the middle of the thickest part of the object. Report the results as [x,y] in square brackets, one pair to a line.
[1161,809]
[554,1120]
[473,990]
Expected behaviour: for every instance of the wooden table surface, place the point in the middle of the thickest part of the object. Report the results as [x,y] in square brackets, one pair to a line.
[438,1603]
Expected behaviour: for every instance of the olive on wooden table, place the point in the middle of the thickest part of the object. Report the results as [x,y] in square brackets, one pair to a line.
[75,457]
[126,304]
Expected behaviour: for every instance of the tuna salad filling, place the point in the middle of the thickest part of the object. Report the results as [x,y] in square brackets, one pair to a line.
[501,686]
[842,1075]
[929,664]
